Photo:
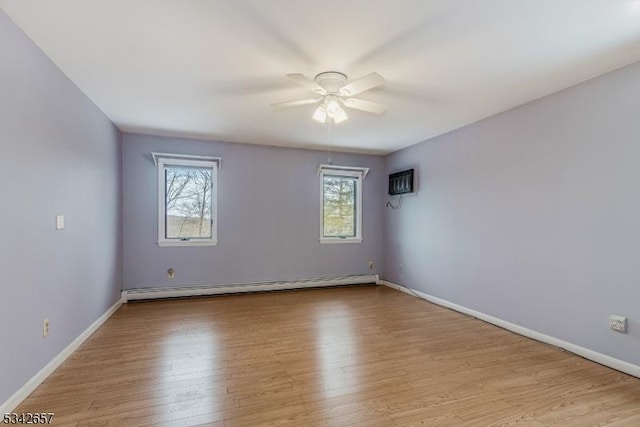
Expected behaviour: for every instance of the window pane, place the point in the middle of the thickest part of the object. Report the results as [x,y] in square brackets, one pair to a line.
[188,202]
[339,206]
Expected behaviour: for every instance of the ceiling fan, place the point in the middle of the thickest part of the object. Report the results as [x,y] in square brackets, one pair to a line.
[333,92]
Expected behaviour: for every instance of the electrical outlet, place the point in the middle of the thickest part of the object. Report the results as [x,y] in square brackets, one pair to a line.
[171,273]
[618,323]
[45,328]
[371,265]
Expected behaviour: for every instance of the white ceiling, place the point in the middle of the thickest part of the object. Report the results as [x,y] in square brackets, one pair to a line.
[211,68]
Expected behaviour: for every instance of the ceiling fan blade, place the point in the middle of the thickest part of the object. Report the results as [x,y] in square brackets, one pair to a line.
[368,106]
[308,83]
[365,83]
[282,105]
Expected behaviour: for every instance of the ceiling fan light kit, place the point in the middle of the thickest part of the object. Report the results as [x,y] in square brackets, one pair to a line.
[335,93]
[339,116]
[330,109]
[320,115]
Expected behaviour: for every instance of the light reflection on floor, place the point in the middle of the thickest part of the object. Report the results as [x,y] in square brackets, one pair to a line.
[336,349]
[191,354]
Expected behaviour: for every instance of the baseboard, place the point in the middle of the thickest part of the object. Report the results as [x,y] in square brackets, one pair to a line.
[38,378]
[603,359]
[158,293]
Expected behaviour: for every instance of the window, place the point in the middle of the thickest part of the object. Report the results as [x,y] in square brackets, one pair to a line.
[341,204]
[187,191]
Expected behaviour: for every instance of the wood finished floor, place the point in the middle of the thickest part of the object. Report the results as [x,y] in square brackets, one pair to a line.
[367,356]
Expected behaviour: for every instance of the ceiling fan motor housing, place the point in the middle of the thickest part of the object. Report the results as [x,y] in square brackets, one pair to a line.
[332,81]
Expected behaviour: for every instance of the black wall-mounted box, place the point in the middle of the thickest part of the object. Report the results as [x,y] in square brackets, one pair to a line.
[401,182]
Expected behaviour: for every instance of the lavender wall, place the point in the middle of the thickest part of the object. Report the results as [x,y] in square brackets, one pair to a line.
[532,216]
[268,214]
[59,155]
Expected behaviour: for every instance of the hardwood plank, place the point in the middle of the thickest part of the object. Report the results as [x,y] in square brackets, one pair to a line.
[353,356]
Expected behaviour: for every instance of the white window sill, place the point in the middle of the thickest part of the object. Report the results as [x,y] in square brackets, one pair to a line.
[178,243]
[331,240]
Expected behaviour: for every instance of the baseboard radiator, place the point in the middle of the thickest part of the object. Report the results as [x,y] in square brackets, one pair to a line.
[194,291]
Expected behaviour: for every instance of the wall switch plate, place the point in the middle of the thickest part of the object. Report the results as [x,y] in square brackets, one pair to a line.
[371,265]
[45,328]
[618,323]
[171,274]
[59,222]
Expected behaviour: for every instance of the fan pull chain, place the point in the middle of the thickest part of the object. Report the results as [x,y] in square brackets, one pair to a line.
[329,142]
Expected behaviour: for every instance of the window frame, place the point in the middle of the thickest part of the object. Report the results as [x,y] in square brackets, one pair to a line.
[343,171]
[162,160]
